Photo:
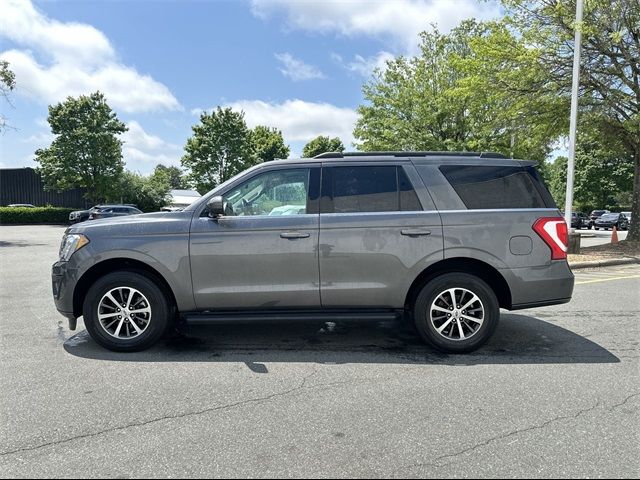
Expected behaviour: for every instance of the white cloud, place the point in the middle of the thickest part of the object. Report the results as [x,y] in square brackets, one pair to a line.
[300,120]
[399,21]
[58,59]
[296,69]
[365,66]
[143,151]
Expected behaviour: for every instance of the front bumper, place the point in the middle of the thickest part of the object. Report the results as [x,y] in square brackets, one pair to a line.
[63,281]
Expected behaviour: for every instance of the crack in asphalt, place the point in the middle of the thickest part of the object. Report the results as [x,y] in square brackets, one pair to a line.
[301,386]
[484,443]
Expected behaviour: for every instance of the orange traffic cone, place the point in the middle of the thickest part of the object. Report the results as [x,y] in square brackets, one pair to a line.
[614,235]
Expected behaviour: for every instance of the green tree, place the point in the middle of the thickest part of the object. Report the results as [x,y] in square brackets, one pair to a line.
[322,144]
[174,176]
[7,84]
[610,74]
[268,144]
[86,152]
[149,194]
[438,100]
[219,148]
[603,171]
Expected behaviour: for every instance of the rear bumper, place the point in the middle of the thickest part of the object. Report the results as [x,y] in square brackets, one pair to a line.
[540,286]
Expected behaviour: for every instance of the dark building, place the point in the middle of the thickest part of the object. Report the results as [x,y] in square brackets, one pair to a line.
[24,185]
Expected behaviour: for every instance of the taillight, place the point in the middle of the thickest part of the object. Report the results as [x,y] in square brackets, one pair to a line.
[554,232]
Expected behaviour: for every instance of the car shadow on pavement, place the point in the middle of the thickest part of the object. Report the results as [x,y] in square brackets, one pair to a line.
[519,339]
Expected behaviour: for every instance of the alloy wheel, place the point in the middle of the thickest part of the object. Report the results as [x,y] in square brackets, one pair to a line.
[457,314]
[124,313]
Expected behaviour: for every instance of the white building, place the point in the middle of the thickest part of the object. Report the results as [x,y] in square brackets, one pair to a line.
[179,199]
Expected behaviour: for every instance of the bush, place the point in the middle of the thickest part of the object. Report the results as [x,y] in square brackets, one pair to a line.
[23,215]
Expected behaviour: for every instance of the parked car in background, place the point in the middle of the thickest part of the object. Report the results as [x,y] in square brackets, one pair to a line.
[108,211]
[21,205]
[81,215]
[580,220]
[441,239]
[597,214]
[610,220]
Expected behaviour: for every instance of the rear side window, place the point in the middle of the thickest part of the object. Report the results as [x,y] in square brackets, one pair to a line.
[495,187]
[353,189]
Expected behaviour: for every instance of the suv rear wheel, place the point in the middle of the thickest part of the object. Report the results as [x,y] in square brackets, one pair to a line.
[126,312]
[456,312]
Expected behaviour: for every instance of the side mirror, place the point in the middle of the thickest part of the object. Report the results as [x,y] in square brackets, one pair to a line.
[216,207]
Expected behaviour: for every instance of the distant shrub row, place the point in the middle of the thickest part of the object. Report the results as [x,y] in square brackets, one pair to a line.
[22,215]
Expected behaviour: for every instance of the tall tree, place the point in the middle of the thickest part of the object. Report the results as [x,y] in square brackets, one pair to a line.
[603,172]
[86,152]
[172,174]
[7,84]
[268,144]
[437,101]
[322,144]
[610,73]
[148,193]
[219,148]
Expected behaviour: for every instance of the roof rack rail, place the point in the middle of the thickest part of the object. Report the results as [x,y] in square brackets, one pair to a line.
[410,154]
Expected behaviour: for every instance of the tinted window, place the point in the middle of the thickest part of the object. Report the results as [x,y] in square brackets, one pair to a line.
[356,189]
[489,187]
[408,199]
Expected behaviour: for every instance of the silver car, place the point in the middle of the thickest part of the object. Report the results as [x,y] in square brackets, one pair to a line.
[443,239]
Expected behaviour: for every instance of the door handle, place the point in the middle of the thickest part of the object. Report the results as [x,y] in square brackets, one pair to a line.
[415,232]
[294,235]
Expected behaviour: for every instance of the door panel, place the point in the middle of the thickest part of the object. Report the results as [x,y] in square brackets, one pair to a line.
[366,260]
[243,262]
[370,258]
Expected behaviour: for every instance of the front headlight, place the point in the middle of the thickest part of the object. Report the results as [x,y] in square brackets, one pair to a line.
[70,244]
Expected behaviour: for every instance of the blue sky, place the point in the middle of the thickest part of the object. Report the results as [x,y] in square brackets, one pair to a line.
[295,65]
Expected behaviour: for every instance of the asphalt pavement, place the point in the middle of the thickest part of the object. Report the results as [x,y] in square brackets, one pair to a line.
[555,394]
[590,238]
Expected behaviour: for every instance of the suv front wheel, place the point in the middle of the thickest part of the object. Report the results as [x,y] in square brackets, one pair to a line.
[456,312]
[126,312]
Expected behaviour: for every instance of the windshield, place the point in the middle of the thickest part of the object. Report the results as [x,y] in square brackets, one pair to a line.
[609,216]
[598,212]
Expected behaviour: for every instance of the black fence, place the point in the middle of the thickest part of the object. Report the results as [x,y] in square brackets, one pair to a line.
[24,185]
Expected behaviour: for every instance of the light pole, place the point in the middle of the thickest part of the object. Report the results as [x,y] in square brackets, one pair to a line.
[574,114]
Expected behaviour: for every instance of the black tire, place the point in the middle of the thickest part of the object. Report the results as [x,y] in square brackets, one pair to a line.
[159,318]
[433,289]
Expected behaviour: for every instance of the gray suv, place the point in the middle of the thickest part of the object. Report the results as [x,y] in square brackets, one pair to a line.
[444,239]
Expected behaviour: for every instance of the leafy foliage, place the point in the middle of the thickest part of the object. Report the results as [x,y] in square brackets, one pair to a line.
[442,100]
[610,73]
[23,215]
[322,144]
[173,176]
[86,152]
[219,148]
[268,144]
[603,172]
[149,194]
[7,84]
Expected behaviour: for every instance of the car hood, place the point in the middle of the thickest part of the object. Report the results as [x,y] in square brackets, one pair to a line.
[132,225]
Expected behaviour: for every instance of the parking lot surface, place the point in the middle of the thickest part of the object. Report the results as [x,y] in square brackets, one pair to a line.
[556,392]
[591,238]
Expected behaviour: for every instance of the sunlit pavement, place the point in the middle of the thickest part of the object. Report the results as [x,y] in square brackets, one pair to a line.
[590,238]
[555,394]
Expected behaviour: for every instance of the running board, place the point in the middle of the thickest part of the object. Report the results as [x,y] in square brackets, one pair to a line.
[211,318]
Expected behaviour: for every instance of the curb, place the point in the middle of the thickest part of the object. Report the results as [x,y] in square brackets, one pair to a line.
[604,263]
